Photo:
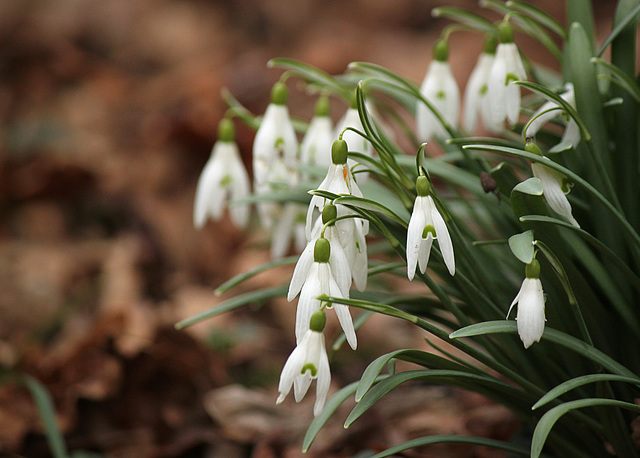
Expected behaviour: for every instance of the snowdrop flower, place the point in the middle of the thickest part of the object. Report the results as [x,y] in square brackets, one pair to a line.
[308,362]
[530,300]
[357,143]
[555,186]
[550,110]
[475,100]
[440,88]
[290,224]
[503,94]
[425,226]
[338,261]
[315,148]
[223,176]
[275,150]
[320,280]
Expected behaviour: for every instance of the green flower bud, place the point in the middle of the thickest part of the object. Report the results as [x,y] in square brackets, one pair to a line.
[505,32]
[423,187]
[490,44]
[329,212]
[322,250]
[322,106]
[279,94]
[533,269]
[226,130]
[339,152]
[318,320]
[532,148]
[441,51]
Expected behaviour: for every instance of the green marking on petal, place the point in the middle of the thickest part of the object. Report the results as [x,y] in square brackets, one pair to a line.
[511,77]
[566,185]
[483,89]
[279,142]
[441,95]
[226,180]
[428,229]
[311,368]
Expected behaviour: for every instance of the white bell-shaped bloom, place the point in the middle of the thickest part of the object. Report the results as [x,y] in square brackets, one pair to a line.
[223,176]
[555,188]
[320,280]
[357,143]
[425,226]
[275,150]
[530,299]
[550,110]
[315,148]
[476,103]
[439,87]
[289,225]
[307,362]
[502,93]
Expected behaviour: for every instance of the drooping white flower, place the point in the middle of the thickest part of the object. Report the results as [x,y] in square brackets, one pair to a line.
[550,110]
[476,103]
[224,176]
[357,143]
[338,262]
[315,148]
[555,186]
[275,150]
[425,226]
[503,95]
[290,224]
[320,280]
[439,87]
[530,299]
[308,362]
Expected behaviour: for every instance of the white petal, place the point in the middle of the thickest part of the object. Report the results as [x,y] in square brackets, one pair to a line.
[239,190]
[552,190]
[425,251]
[444,240]
[440,88]
[344,317]
[530,316]
[281,238]
[208,187]
[543,115]
[315,148]
[307,302]
[359,269]
[476,91]
[301,385]
[301,271]
[339,262]
[414,236]
[290,371]
[323,383]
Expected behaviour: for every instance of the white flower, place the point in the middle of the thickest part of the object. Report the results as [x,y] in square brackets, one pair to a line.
[307,362]
[440,88]
[290,224]
[356,142]
[315,148]
[502,93]
[223,176]
[425,225]
[320,280]
[550,110]
[530,300]
[475,96]
[554,187]
[275,150]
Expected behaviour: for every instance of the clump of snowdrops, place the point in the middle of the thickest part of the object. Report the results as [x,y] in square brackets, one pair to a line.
[526,240]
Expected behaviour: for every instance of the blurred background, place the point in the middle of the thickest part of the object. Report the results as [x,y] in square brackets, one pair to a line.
[108,113]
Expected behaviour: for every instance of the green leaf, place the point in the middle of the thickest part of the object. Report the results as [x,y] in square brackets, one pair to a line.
[234,303]
[628,19]
[235,281]
[522,246]
[465,17]
[549,419]
[311,74]
[531,186]
[554,336]
[451,439]
[372,306]
[47,412]
[539,16]
[620,78]
[581,381]
[366,204]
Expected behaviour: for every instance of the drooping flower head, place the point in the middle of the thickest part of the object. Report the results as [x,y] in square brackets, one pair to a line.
[476,102]
[550,110]
[503,94]
[530,299]
[308,362]
[425,226]
[320,280]
[555,186]
[315,148]
[224,176]
[439,87]
[275,152]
